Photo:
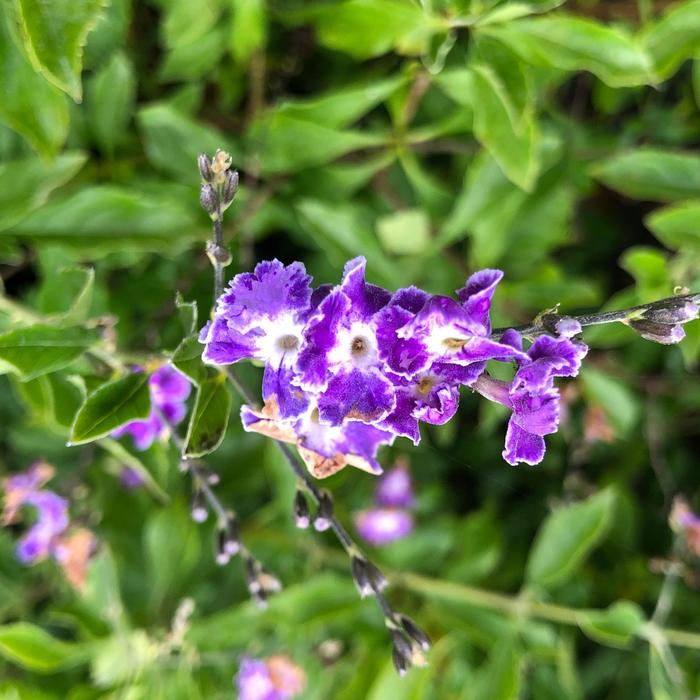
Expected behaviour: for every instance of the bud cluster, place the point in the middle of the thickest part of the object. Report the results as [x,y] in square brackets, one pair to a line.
[662,322]
[219,183]
[261,583]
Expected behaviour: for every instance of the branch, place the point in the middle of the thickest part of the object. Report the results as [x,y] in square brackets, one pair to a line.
[409,641]
[647,319]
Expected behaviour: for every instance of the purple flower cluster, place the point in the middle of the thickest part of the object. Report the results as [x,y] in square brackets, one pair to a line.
[275,678]
[47,536]
[169,391]
[392,519]
[351,367]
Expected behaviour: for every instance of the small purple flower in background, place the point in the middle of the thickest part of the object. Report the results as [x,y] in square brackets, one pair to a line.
[395,488]
[47,536]
[381,526]
[276,678]
[130,479]
[169,391]
[687,523]
[391,520]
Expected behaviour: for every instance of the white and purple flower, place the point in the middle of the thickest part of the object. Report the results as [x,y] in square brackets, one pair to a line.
[350,368]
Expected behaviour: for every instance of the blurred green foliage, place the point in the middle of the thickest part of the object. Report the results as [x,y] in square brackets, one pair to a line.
[556,140]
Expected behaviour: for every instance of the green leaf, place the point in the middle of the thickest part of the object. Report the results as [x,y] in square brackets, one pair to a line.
[615,627]
[172,550]
[115,218]
[26,183]
[29,105]
[123,658]
[195,60]
[248,28]
[696,81]
[573,44]
[619,403]
[173,141]
[288,144]
[664,675]
[340,108]
[344,231]
[677,226]
[567,536]
[649,267]
[366,28]
[405,232]
[68,293]
[500,679]
[209,418]
[40,349]
[187,21]
[112,405]
[653,174]
[110,104]
[674,38]
[187,358]
[188,314]
[32,648]
[54,36]
[511,136]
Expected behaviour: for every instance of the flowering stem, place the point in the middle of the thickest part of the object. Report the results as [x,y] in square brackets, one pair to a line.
[542,324]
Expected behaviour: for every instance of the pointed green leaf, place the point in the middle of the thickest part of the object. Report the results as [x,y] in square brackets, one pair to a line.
[567,537]
[209,418]
[574,44]
[26,183]
[54,35]
[248,28]
[615,626]
[677,226]
[111,406]
[40,349]
[29,105]
[511,136]
[650,173]
[187,358]
[110,103]
[674,38]
[32,648]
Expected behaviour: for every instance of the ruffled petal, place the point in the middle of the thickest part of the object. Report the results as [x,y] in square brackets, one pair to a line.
[522,446]
[363,395]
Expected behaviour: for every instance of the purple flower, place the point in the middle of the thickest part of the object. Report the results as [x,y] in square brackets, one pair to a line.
[324,448]
[276,678]
[340,356]
[130,478]
[531,396]
[169,390]
[394,489]
[52,519]
[349,368]
[381,526]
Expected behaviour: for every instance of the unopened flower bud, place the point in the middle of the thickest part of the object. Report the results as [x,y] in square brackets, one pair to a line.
[198,510]
[375,577]
[401,642]
[358,566]
[209,199]
[230,187]
[218,255]
[324,514]
[401,662]
[415,632]
[204,164]
[302,514]
[664,333]
[672,312]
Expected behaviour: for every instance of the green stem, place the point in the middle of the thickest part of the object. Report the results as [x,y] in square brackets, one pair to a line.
[511,605]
